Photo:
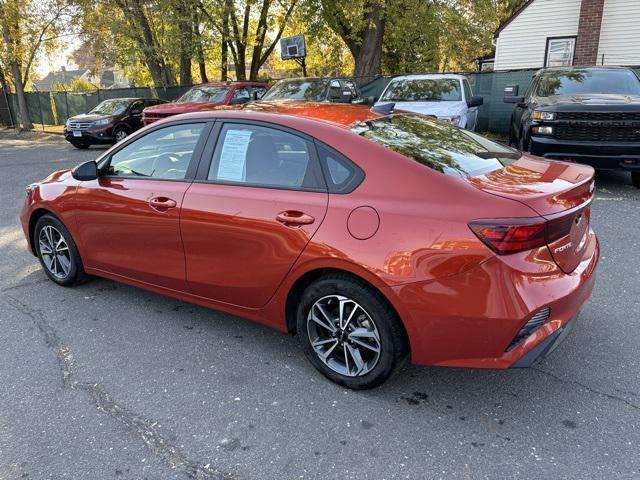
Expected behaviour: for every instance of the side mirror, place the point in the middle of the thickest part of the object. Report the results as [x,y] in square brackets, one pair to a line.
[254,95]
[511,94]
[86,171]
[475,101]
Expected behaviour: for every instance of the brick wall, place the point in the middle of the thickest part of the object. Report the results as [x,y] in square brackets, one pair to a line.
[589,32]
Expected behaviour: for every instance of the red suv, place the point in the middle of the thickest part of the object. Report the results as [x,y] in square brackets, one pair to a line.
[206,97]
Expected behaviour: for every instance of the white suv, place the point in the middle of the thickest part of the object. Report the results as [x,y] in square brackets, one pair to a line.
[447,97]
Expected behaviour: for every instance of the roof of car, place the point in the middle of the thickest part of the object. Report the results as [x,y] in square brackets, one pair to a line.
[578,69]
[230,83]
[338,114]
[429,76]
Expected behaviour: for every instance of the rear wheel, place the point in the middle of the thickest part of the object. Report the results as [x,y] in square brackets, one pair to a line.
[349,332]
[57,252]
[635,179]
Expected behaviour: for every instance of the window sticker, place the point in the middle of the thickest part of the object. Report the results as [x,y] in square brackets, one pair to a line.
[234,156]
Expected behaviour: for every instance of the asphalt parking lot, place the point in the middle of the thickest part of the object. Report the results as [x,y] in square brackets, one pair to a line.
[106,381]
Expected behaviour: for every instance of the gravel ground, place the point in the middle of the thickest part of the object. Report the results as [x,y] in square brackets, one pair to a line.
[107,381]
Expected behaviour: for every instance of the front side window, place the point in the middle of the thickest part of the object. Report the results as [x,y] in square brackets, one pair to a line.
[587,82]
[262,156]
[446,149]
[425,90]
[162,154]
[560,52]
[298,89]
[205,94]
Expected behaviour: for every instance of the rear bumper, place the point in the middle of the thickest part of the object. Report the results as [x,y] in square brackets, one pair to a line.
[471,319]
[624,156]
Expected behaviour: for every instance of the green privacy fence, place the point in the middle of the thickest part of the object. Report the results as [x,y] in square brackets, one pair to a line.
[54,108]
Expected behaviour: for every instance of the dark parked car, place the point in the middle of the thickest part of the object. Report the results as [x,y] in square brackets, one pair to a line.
[337,90]
[111,121]
[586,115]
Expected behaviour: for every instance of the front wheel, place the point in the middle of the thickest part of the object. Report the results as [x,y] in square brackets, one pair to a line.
[57,252]
[349,332]
[635,179]
[120,134]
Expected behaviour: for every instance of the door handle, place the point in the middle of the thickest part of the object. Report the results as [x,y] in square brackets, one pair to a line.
[162,203]
[293,218]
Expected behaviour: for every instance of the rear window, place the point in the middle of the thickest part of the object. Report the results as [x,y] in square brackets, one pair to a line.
[423,90]
[586,82]
[446,149]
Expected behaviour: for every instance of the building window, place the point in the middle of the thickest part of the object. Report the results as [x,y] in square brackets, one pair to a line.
[560,52]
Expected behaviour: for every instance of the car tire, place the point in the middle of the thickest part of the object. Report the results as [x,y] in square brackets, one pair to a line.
[119,134]
[512,140]
[348,356]
[81,145]
[635,179]
[63,265]
[523,145]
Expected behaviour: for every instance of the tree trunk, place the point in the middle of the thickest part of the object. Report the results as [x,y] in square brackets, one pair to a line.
[15,71]
[202,67]
[224,53]
[368,59]
[185,29]
[22,99]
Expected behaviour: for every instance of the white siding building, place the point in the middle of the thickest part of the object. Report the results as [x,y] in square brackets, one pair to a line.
[570,32]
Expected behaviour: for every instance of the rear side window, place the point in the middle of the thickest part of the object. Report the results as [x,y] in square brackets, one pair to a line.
[442,147]
[262,156]
[341,174]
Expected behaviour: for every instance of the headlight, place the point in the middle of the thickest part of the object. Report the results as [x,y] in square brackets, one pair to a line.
[538,115]
[542,130]
[454,120]
[103,121]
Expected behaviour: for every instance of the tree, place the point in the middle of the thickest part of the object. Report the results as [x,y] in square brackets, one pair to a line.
[137,16]
[26,27]
[241,25]
[361,25]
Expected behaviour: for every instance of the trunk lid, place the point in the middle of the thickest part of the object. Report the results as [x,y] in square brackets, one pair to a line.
[560,192]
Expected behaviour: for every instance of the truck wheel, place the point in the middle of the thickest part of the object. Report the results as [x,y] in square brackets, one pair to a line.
[523,145]
[635,179]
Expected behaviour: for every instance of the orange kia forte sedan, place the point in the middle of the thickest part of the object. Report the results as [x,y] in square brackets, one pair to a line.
[372,236]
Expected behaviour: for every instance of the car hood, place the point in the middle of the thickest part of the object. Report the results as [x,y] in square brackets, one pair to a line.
[182,107]
[439,109]
[595,99]
[86,117]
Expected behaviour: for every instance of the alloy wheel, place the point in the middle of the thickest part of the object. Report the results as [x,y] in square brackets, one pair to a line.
[54,251]
[120,135]
[343,335]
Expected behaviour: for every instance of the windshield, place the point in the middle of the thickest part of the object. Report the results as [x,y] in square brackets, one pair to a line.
[301,89]
[427,90]
[111,107]
[204,94]
[585,82]
[443,148]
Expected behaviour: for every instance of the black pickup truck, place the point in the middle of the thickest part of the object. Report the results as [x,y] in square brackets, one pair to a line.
[586,115]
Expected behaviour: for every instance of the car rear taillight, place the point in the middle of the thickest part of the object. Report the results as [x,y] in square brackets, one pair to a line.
[513,235]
